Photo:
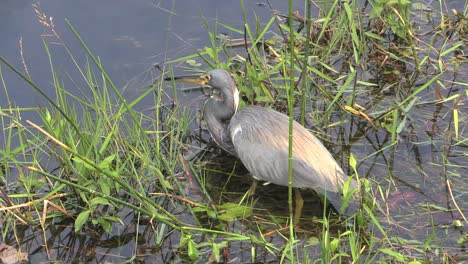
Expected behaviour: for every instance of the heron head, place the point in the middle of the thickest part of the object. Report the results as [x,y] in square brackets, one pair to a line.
[221,80]
[217,79]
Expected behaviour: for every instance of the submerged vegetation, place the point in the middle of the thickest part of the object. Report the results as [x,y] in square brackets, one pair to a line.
[383,85]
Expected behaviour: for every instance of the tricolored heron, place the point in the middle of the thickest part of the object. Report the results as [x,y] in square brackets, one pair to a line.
[258,136]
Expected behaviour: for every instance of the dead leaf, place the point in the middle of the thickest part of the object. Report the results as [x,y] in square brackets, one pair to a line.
[9,255]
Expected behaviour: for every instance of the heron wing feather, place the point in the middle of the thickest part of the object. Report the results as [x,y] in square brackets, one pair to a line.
[260,138]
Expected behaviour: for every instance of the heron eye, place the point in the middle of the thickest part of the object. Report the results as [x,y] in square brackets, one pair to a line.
[206,77]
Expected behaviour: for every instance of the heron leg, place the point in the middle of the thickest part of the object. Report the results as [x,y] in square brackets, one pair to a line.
[299,205]
[250,191]
[252,188]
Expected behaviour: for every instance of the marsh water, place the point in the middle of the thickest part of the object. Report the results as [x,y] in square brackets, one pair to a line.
[131,37]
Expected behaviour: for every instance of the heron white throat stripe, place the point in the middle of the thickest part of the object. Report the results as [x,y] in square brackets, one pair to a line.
[236,131]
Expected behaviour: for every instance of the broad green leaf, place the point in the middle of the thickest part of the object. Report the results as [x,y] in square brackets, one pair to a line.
[352,161]
[313,241]
[105,163]
[334,244]
[193,63]
[192,250]
[232,212]
[211,52]
[98,200]
[104,185]
[396,255]
[374,36]
[215,250]
[455,121]
[78,160]
[81,220]
[106,225]
[420,6]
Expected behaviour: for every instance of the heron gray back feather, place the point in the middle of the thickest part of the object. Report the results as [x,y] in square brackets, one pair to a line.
[260,139]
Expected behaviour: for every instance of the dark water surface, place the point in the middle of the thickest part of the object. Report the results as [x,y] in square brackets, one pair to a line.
[128,36]
[132,36]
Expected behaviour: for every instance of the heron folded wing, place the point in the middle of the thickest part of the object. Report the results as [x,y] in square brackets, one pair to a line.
[260,137]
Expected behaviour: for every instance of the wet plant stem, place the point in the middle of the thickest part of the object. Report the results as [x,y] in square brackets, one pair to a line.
[291,119]
[305,63]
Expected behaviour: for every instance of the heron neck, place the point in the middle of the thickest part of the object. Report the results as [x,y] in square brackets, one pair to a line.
[218,112]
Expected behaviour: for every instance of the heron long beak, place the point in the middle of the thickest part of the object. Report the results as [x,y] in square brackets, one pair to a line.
[198,79]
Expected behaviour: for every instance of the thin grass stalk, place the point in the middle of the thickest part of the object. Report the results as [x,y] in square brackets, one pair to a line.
[214,47]
[291,119]
[325,243]
[4,86]
[305,83]
[327,20]
[39,90]
[126,106]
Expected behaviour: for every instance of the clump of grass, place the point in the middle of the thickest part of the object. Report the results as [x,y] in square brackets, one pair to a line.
[96,148]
